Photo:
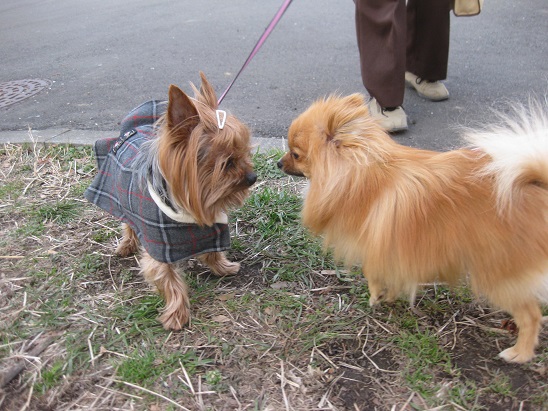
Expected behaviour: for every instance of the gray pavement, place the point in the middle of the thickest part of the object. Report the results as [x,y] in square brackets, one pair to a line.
[105,57]
[88,137]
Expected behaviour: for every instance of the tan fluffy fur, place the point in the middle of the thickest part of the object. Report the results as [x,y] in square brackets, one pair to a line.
[207,171]
[411,216]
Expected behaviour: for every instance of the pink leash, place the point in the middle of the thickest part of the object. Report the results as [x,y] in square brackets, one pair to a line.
[261,41]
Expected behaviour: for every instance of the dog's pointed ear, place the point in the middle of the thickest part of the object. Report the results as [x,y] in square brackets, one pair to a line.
[342,111]
[181,112]
[207,93]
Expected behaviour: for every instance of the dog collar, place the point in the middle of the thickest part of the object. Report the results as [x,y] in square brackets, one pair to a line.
[180,216]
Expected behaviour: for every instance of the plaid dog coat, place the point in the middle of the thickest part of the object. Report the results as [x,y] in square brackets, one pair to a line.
[119,190]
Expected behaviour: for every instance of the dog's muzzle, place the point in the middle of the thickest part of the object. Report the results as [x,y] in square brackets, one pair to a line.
[291,173]
[250,178]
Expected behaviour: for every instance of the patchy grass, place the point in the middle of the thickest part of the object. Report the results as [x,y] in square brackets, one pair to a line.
[292,330]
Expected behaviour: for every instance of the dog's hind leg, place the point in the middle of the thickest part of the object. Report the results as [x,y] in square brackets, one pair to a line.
[172,287]
[528,318]
[219,264]
[129,244]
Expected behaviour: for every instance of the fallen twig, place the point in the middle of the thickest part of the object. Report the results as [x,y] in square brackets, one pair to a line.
[13,371]
[151,392]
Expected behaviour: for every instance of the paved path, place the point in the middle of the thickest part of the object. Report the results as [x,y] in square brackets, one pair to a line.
[105,57]
[87,137]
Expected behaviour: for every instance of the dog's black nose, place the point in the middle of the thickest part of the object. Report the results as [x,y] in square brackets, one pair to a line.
[250,178]
[280,164]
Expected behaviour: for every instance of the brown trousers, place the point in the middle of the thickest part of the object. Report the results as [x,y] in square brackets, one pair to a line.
[394,38]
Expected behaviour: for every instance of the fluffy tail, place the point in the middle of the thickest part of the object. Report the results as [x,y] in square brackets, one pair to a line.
[518,148]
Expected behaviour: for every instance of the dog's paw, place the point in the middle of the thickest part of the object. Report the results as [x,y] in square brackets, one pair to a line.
[376,292]
[228,268]
[219,264]
[514,355]
[175,319]
[126,248]
[381,296]
[375,299]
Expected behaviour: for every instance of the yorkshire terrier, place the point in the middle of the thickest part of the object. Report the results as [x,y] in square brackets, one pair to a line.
[176,169]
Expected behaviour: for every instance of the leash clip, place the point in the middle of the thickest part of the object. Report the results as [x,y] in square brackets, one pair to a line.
[221,118]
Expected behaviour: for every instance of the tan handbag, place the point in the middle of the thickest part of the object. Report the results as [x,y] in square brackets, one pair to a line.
[467,7]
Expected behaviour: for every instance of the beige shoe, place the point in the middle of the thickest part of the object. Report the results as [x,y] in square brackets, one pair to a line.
[391,121]
[432,90]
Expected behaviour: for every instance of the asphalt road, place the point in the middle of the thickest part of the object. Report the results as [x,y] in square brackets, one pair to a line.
[104,57]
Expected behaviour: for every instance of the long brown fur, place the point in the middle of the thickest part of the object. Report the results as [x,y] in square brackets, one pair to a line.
[189,140]
[207,171]
[411,216]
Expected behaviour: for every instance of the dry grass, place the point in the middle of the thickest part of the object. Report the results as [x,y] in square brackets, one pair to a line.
[292,331]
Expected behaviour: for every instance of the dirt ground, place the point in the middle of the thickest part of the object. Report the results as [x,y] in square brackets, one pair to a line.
[79,329]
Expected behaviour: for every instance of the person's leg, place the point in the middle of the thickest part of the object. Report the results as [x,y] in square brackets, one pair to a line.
[381,33]
[428,46]
[428,38]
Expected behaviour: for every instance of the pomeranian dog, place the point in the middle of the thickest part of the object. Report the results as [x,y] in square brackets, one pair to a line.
[175,170]
[411,216]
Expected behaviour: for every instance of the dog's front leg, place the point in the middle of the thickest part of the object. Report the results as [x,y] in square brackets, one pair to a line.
[376,287]
[219,264]
[172,287]
[129,244]
[379,292]
[376,292]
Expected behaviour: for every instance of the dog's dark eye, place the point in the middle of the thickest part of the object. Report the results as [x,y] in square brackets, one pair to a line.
[295,155]
[229,164]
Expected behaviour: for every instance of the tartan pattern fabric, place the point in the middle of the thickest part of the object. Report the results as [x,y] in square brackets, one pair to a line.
[117,189]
